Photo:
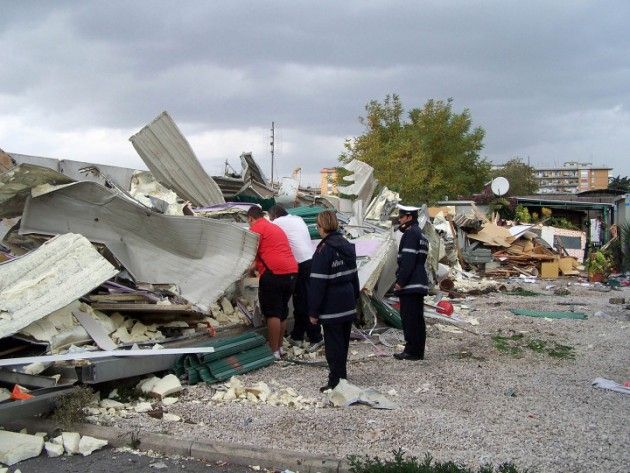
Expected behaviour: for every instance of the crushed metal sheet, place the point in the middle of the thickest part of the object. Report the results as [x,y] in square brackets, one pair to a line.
[383,206]
[203,257]
[16,185]
[6,162]
[363,182]
[38,283]
[91,355]
[168,155]
[379,271]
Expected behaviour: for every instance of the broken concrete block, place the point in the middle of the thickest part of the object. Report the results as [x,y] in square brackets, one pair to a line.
[169,384]
[16,447]
[71,442]
[226,306]
[53,449]
[89,444]
[58,440]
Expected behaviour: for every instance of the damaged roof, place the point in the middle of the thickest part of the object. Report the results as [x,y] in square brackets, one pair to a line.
[168,155]
[201,256]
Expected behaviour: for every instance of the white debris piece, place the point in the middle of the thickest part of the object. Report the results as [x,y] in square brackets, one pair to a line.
[260,392]
[88,444]
[143,407]
[4,394]
[16,447]
[111,404]
[146,385]
[168,417]
[53,449]
[169,384]
[168,401]
[71,442]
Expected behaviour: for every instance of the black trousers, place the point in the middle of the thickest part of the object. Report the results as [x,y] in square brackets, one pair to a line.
[414,328]
[300,307]
[336,342]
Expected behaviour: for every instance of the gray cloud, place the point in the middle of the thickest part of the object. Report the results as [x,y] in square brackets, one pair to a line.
[546,80]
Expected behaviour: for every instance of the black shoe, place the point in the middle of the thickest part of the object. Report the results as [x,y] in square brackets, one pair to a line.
[407,356]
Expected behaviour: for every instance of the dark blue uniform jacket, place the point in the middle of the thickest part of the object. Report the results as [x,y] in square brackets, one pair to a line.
[334,282]
[411,275]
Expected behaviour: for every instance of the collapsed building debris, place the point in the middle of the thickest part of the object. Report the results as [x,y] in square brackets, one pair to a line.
[169,157]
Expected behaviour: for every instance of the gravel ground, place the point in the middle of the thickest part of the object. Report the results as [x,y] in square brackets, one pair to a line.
[467,401]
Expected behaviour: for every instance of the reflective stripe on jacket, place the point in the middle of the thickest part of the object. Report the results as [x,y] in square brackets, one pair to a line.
[411,274]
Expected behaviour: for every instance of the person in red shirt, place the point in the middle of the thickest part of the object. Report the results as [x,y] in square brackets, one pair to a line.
[278,272]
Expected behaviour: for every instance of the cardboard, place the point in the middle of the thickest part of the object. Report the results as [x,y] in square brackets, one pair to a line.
[567,266]
[549,269]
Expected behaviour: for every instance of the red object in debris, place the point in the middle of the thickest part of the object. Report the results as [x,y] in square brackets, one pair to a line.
[627,384]
[19,394]
[445,308]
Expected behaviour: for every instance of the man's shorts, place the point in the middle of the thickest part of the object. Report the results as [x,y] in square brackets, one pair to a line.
[274,292]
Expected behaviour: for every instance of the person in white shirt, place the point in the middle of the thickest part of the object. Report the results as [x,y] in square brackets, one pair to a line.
[302,248]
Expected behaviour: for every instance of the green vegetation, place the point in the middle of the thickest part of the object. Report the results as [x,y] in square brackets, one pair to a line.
[521,214]
[430,155]
[521,177]
[69,408]
[620,184]
[561,222]
[599,262]
[515,344]
[402,464]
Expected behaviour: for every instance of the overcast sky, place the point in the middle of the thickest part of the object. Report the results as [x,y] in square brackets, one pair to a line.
[549,81]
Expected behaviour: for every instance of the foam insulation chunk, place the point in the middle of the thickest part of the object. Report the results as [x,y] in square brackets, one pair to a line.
[16,447]
[53,449]
[169,384]
[63,269]
[71,442]
[88,444]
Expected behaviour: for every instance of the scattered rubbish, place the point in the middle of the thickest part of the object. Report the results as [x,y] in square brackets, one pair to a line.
[550,314]
[346,394]
[262,393]
[510,392]
[15,447]
[611,385]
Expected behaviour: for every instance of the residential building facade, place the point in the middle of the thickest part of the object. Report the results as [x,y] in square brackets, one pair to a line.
[571,178]
[328,181]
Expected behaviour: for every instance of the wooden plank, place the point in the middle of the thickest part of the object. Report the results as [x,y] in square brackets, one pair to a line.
[118,297]
[95,330]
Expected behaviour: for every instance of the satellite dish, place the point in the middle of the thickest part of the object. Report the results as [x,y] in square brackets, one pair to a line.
[500,186]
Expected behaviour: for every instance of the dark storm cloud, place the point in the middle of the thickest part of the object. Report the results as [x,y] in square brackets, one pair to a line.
[526,70]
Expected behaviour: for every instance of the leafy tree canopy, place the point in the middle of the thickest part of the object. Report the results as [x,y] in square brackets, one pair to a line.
[521,177]
[427,154]
[620,184]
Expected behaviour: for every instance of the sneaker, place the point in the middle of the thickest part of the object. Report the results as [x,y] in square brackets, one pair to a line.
[277,355]
[313,347]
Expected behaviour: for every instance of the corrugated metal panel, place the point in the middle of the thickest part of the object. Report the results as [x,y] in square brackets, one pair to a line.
[170,158]
[202,256]
[363,182]
[81,171]
[16,185]
[42,281]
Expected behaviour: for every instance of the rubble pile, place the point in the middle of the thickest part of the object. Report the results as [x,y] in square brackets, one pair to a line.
[99,264]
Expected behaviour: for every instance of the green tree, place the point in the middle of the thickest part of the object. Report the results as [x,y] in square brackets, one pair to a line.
[619,184]
[521,177]
[430,154]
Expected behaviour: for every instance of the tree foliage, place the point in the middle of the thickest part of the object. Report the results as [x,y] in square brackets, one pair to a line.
[521,177]
[620,184]
[427,154]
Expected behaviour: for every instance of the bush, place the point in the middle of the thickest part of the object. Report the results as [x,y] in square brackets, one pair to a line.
[400,464]
[69,408]
[521,214]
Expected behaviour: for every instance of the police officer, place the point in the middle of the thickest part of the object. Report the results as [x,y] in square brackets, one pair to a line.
[411,283]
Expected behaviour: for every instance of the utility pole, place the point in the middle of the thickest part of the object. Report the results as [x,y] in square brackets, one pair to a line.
[272,149]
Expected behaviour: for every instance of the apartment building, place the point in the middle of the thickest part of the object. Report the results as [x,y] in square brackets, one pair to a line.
[572,177]
[328,181]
